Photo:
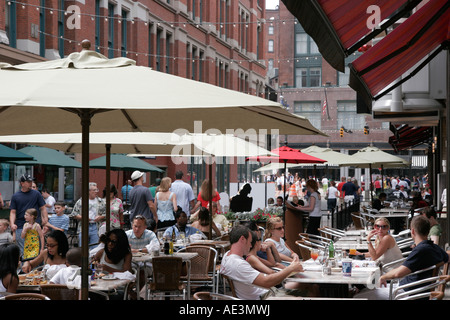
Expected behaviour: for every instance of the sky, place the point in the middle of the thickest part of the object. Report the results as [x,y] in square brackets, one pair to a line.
[270,4]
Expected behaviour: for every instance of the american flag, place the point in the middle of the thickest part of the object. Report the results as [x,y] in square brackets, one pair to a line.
[324,107]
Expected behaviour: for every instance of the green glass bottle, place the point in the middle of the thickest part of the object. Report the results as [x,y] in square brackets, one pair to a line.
[331,250]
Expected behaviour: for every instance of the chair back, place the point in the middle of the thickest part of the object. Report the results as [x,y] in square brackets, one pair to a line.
[305,251]
[166,273]
[59,292]
[26,296]
[230,283]
[204,262]
[357,220]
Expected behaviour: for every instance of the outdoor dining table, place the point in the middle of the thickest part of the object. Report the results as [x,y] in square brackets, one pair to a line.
[109,286]
[336,284]
[141,260]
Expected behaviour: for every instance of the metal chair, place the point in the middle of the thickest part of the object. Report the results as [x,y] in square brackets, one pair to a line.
[72,232]
[226,280]
[305,250]
[206,295]
[166,280]
[323,241]
[26,296]
[424,291]
[59,292]
[203,266]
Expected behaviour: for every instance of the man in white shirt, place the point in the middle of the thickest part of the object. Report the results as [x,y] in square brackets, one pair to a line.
[184,193]
[244,275]
[49,201]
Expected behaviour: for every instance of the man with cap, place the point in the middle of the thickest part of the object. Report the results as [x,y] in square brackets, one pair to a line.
[23,200]
[141,199]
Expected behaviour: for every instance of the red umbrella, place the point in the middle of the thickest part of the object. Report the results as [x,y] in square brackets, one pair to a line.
[287,155]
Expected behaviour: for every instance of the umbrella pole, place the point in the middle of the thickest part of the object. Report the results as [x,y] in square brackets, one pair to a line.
[210,201]
[371,186]
[108,188]
[284,190]
[85,124]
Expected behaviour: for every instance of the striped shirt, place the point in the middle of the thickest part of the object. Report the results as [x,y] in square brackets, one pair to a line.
[148,237]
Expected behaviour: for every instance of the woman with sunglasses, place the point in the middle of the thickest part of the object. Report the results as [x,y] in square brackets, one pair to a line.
[116,256]
[275,233]
[386,249]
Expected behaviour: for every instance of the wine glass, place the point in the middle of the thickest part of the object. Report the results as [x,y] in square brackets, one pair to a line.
[314,254]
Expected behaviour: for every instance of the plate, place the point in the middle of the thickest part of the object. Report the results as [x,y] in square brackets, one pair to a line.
[109,277]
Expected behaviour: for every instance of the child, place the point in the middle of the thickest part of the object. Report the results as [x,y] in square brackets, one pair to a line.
[9,261]
[70,276]
[59,221]
[33,235]
[5,233]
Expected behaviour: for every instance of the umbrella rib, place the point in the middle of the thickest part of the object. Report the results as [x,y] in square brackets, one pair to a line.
[127,116]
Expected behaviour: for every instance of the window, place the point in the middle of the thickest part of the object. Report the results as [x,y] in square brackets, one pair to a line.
[124,33]
[42,28]
[270,66]
[97,25]
[312,110]
[271,30]
[343,77]
[158,49]
[110,30]
[168,51]
[61,18]
[348,117]
[304,44]
[270,47]
[307,77]
[11,23]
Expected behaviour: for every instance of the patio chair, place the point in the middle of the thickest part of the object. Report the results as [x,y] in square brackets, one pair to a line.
[226,280]
[26,296]
[72,233]
[315,238]
[203,266]
[358,220]
[305,250]
[166,280]
[206,295]
[59,292]
[424,291]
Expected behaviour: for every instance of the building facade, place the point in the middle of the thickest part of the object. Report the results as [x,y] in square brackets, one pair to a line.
[221,42]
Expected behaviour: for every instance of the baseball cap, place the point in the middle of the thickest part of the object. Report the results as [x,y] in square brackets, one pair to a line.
[136,175]
[26,177]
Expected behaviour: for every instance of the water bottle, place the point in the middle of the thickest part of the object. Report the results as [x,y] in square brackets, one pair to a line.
[166,247]
[331,250]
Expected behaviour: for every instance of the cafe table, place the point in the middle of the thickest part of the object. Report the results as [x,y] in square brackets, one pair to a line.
[336,284]
[109,284]
[141,260]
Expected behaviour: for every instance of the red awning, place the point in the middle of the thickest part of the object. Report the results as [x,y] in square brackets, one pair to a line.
[427,31]
[340,27]
[406,137]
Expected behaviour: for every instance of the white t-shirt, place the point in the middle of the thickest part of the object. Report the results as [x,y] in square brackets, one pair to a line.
[236,268]
[70,276]
[332,192]
[51,201]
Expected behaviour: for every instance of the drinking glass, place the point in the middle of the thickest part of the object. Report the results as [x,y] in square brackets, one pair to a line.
[314,254]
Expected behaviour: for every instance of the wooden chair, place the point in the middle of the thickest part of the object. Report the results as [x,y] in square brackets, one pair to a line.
[305,250]
[206,295]
[59,292]
[26,296]
[166,280]
[226,279]
[203,266]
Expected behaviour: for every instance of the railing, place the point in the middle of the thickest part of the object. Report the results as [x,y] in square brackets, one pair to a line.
[341,217]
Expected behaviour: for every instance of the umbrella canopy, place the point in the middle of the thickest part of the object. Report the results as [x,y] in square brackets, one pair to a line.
[336,158]
[123,162]
[48,157]
[288,155]
[379,158]
[118,96]
[9,154]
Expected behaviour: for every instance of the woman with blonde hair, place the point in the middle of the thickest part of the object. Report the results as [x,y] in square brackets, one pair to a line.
[275,233]
[313,207]
[165,203]
[385,249]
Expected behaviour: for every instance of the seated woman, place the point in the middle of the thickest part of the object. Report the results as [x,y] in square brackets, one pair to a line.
[386,249]
[116,256]
[275,234]
[202,223]
[53,257]
[255,261]
[242,202]
[9,261]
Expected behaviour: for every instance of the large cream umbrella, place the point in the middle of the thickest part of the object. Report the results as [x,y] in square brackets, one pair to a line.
[88,92]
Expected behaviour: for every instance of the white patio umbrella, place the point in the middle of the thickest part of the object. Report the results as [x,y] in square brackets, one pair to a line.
[88,92]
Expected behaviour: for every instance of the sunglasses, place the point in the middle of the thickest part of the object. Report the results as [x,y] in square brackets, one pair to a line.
[279,228]
[384,227]
[111,241]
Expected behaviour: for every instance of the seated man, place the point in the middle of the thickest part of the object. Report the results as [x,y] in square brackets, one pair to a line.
[379,204]
[237,268]
[424,255]
[140,238]
[180,226]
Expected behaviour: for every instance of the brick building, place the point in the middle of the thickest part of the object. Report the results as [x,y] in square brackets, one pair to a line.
[219,42]
[303,81]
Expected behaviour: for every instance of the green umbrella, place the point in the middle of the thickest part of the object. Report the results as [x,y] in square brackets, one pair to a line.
[48,157]
[123,162]
[9,154]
